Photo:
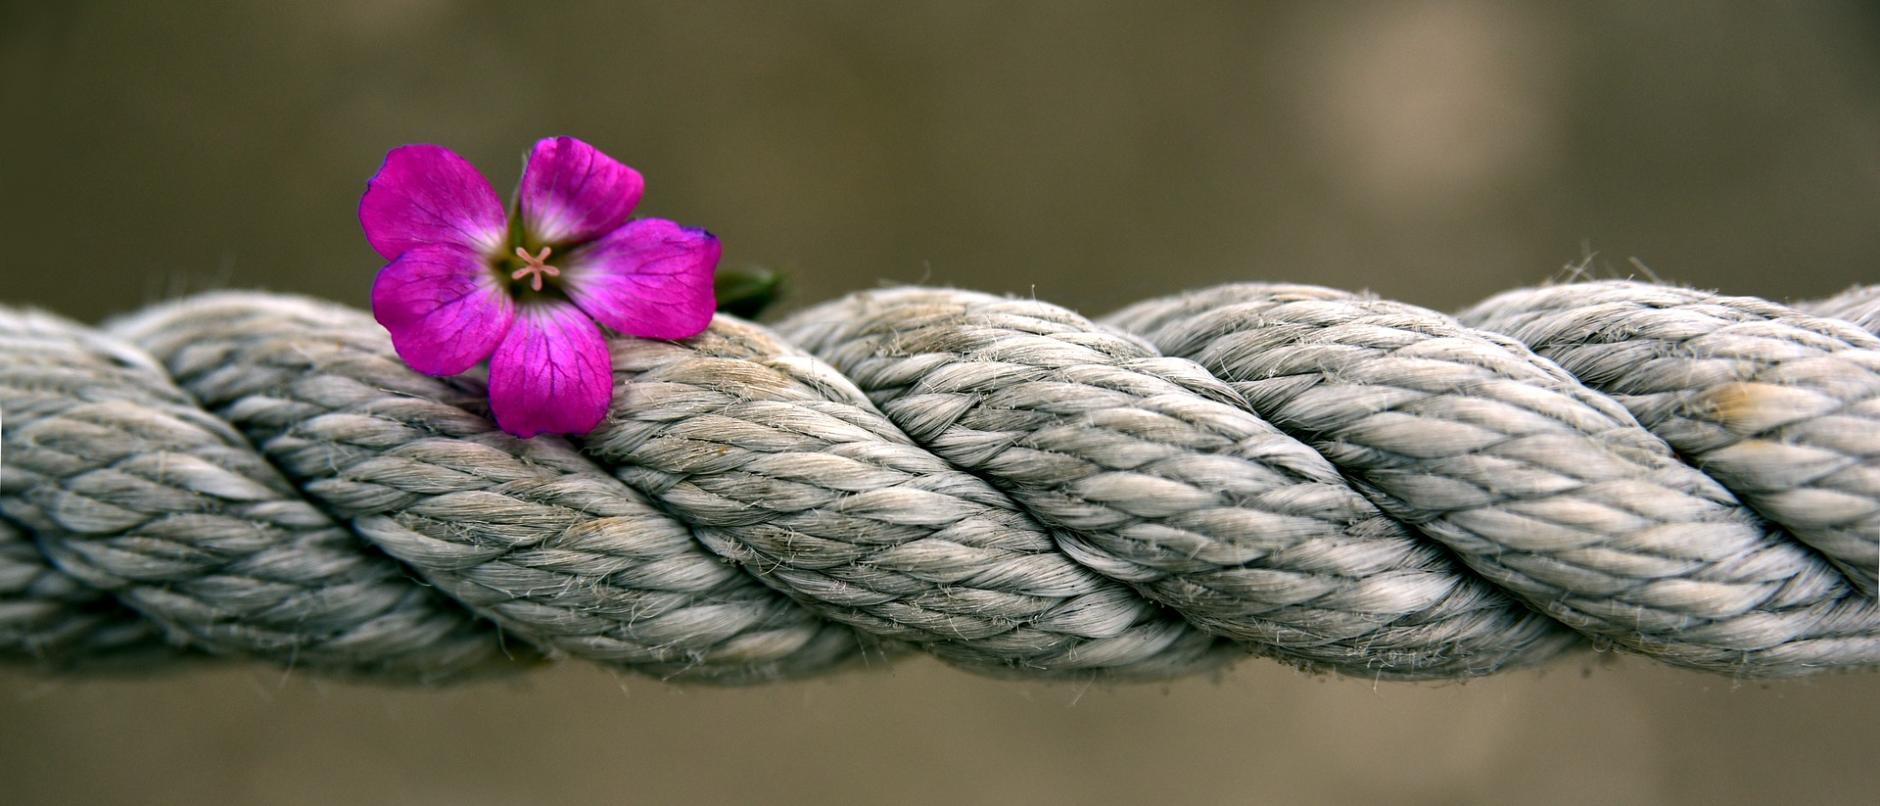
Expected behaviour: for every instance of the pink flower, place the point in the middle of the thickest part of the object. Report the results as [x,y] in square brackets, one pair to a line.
[466,282]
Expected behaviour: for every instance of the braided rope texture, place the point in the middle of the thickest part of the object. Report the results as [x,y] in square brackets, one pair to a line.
[1328,479]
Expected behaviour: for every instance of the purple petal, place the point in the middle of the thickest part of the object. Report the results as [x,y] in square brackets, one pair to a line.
[426,194]
[445,308]
[572,193]
[552,373]
[651,278]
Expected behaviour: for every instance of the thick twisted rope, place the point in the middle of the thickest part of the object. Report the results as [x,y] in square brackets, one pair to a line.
[1327,479]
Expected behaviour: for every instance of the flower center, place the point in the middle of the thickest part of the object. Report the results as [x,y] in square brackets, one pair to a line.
[535,269]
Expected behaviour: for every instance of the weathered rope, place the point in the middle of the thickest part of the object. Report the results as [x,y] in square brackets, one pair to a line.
[1324,478]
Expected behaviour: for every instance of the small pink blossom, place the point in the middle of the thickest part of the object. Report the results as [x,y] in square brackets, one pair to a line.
[467,282]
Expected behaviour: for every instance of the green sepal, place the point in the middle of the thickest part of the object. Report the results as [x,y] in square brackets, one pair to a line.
[748,291]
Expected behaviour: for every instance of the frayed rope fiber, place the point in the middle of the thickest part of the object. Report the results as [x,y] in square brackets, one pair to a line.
[1328,479]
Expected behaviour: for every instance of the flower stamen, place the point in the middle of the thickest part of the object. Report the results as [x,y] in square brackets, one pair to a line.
[536,269]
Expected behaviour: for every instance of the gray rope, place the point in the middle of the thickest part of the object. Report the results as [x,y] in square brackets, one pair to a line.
[1333,481]
[1770,402]
[1860,305]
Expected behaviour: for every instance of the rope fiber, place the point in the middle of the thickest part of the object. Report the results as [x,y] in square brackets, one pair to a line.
[1328,479]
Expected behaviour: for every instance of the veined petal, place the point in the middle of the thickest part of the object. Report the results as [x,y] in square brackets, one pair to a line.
[445,308]
[651,278]
[572,193]
[426,194]
[552,373]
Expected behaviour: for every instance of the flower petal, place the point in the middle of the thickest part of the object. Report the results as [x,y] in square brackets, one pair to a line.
[443,306]
[552,373]
[572,193]
[651,278]
[426,194]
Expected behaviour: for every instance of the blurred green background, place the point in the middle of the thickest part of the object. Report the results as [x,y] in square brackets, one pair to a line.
[1091,153]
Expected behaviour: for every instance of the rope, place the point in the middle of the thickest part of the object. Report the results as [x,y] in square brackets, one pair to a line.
[1327,479]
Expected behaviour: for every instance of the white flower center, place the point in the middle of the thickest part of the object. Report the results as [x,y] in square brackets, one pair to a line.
[536,268]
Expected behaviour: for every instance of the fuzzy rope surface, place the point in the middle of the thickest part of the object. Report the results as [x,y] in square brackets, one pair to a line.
[1328,479]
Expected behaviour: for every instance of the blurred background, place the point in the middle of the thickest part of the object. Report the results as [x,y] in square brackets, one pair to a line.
[1091,153]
